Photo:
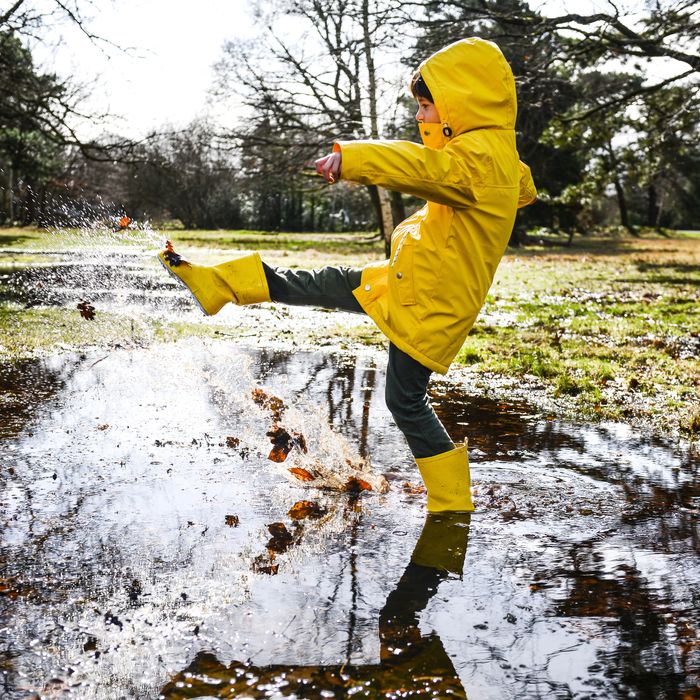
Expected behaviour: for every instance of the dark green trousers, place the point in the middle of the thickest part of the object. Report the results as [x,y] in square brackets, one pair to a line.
[406,379]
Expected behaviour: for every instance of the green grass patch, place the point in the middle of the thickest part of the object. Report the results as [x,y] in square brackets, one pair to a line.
[611,325]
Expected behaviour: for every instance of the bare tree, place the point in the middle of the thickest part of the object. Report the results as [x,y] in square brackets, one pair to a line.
[312,77]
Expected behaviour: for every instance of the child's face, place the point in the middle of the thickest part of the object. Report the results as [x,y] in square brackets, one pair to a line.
[427,113]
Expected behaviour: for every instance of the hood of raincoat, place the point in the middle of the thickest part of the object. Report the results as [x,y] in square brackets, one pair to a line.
[473,88]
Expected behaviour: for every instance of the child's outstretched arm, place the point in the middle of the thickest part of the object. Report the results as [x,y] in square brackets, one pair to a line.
[404,166]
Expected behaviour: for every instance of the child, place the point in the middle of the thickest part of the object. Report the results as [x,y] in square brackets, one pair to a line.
[427,295]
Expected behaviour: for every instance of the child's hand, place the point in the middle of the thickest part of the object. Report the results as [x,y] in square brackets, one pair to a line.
[329,167]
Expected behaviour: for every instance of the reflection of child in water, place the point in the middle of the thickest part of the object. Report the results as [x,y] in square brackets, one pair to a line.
[427,295]
[412,663]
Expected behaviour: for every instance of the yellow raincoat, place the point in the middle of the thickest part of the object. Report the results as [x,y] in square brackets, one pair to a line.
[427,295]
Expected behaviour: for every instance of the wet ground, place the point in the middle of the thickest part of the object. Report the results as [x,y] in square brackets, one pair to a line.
[151,548]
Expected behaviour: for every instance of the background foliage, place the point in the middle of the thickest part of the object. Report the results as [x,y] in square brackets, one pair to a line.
[612,139]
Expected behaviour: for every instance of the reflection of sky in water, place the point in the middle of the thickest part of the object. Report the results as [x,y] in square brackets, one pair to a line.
[114,525]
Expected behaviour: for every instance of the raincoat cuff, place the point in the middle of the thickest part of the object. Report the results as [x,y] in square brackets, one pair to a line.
[351,165]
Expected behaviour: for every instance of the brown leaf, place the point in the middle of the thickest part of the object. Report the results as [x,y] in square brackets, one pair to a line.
[87,310]
[413,489]
[306,509]
[302,474]
[283,443]
[232,520]
[272,403]
[263,565]
[355,485]
[232,441]
[281,538]
[103,426]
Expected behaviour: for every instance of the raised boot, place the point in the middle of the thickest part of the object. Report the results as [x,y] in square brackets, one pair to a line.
[241,280]
[446,477]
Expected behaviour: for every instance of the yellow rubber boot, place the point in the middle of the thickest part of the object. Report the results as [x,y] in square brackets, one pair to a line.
[241,281]
[443,542]
[446,476]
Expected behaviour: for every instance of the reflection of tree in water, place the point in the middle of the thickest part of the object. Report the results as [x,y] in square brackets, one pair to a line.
[25,388]
[510,431]
[657,643]
[338,387]
[411,664]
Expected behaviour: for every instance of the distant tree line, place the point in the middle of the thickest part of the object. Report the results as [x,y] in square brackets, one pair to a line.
[608,143]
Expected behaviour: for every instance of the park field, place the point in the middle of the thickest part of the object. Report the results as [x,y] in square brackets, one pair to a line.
[605,329]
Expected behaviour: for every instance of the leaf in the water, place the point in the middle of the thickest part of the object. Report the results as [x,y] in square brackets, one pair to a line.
[355,485]
[281,538]
[306,509]
[283,442]
[263,565]
[278,454]
[302,474]
[272,403]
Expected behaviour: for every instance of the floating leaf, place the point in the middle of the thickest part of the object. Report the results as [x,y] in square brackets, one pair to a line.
[302,474]
[283,443]
[281,538]
[355,485]
[263,565]
[413,489]
[306,509]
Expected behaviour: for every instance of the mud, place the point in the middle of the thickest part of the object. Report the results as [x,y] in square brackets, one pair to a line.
[151,549]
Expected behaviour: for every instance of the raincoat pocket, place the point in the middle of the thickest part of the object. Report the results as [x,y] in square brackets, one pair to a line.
[401,272]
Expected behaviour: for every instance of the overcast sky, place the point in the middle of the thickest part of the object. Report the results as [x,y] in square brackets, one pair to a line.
[165,76]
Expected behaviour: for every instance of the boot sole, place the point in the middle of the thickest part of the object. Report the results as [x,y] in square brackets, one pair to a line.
[184,284]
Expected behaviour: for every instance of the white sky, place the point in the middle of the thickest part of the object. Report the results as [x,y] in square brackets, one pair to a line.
[166,73]
[165,77]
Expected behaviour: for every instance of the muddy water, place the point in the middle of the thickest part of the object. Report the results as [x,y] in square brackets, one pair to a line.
[151,549]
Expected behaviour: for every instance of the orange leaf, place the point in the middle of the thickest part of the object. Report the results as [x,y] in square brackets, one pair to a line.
[302,474]
[306,509]
[355,485]
[278,453]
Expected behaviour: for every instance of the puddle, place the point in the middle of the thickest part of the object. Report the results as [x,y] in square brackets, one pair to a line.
[150,548]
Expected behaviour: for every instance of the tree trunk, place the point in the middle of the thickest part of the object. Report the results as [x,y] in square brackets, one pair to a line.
[398,210]
[382,212]
[652,206]
[622,204]
[10,186]
[619,190]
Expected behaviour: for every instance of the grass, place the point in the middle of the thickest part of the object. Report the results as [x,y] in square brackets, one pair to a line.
[609,325]
[608,328]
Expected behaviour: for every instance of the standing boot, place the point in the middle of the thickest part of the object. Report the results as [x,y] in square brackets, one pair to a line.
[446,476]
[241,280]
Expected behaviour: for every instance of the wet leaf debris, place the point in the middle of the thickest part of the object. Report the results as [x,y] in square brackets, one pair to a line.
[87,310]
